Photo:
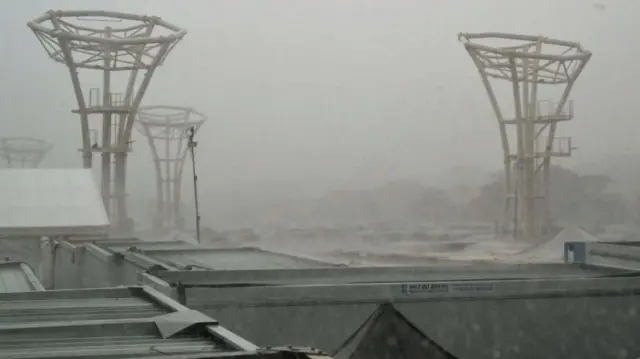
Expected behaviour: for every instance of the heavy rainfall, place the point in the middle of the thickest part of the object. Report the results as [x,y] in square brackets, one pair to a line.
[319,179]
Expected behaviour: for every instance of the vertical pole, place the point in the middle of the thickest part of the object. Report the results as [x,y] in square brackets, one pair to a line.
[515,212]
[106,130]
[192,145]
[178,166]
[520,122]
[528,136]
[168,207]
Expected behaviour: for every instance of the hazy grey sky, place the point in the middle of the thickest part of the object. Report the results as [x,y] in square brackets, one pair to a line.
[311,95]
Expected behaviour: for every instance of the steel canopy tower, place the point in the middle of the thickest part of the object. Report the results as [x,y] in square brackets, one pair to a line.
[117,47]
[23,152]
[533,67]
[167,131]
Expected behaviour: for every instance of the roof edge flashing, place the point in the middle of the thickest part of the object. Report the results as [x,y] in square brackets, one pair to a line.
[175,323]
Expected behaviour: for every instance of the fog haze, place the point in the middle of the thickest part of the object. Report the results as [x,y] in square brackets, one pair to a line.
[305,97]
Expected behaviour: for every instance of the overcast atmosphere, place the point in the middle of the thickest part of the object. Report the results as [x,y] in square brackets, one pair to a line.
[305,97]
[373,179]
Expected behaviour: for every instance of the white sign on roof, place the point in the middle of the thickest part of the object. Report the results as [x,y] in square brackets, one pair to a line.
[50,202]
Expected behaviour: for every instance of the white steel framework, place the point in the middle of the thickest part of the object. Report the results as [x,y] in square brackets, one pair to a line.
[23,152]
[112,44]
[167,131]
[532,65]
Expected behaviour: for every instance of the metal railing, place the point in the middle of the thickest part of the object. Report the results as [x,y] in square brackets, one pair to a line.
[116,99]
[550,108]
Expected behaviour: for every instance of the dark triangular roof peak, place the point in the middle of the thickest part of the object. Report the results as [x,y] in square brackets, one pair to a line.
[387,334]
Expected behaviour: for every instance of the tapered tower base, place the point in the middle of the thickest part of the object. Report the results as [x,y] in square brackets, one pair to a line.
[532,68]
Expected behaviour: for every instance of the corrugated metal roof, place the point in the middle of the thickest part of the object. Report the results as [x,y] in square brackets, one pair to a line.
[114,323]
[18,277]
[91,304]
[131,339]
[230,259]
[43,202]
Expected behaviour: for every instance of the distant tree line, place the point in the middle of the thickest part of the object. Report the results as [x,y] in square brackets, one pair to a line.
[584,200]
[580,199]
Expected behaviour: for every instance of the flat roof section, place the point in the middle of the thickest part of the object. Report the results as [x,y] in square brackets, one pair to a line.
[50,202]
[119,247]
[355,275]
[223,259]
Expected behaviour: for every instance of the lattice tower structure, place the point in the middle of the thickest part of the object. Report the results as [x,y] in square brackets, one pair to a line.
[23,152]
[166,129]
[116,55]
[538,74]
